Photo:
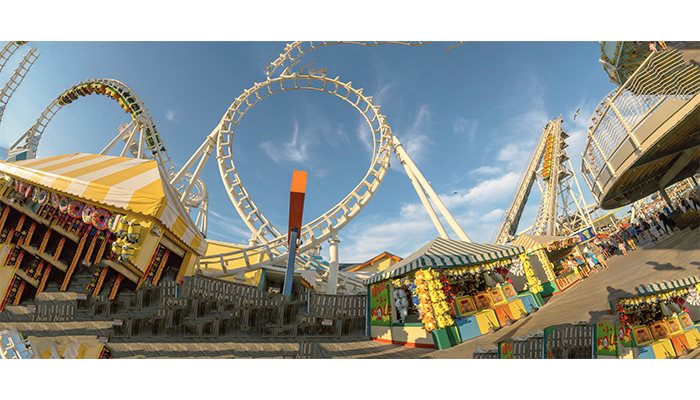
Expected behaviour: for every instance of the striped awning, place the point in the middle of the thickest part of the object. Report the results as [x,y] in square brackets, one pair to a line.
[447,253]
[125,183]
[668,285]
[534,242]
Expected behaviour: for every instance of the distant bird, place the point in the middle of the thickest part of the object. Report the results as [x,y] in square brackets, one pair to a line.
[576,114]
[455,192]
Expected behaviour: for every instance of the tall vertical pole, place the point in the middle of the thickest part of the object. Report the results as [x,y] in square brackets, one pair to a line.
[333,264]
[296,211]
[291,256]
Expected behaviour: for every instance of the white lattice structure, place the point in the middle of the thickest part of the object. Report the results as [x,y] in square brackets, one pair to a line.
[140,138]
[562,210]
[270,242]
[13,83]
[644,135]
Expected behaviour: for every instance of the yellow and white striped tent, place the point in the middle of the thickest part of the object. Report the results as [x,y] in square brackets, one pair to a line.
[126,183]
[534,242]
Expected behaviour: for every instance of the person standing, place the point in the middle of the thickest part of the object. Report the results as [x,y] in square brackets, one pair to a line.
[668,222]
[630,239]
[621,246]
[663,45]
[652,47]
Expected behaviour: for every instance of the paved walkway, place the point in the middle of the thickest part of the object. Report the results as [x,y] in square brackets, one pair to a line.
[672,257]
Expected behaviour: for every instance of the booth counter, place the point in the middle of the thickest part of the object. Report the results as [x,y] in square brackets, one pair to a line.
[448,292]
[657,323]
[551,266]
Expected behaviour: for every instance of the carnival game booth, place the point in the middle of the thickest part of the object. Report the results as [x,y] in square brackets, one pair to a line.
[548,257]
[116,217]
[447,292]
[658,323]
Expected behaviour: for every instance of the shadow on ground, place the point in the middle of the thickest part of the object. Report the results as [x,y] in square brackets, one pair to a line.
[665,267]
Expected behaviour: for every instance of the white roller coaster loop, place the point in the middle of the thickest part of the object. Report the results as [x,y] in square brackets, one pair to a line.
[140,137]
[272,242]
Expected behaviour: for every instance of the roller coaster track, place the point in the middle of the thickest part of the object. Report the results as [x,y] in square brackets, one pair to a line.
[19,73]
[552,217]
[142,140]
[272,244]
[140,137]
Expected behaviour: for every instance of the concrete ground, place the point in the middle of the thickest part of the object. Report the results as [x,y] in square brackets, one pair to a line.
[672,257]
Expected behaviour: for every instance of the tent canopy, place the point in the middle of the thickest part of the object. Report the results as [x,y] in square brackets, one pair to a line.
[534,242]
[447,253]
[668,285]
[126,183]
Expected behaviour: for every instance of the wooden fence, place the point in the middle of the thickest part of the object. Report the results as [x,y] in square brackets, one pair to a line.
[567,341]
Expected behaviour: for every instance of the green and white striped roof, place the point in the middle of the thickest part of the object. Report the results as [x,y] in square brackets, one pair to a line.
[669,285]
[447,253]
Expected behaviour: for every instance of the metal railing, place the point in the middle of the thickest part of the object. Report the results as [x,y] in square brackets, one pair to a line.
[661,76]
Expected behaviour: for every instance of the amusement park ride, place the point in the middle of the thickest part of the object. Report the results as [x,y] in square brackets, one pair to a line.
[19,74]
[562,211]
[142,141]
[547,167]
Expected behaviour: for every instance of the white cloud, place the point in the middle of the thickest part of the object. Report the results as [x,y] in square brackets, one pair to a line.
[364,239]
[382,94]
[365,135]
[170,115]
[467,127]
[337,137]
[488,190]
[492,216]
[320,173]
[234,229]
[485,170]
[416,136]
[516,154]
[415,139]
[294,150]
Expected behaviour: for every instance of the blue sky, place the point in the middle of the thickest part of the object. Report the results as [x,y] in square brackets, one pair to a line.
[469,117]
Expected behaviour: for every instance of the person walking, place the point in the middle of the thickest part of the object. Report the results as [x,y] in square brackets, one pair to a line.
[647,228]
[657,225]
[640,231]
[606,251]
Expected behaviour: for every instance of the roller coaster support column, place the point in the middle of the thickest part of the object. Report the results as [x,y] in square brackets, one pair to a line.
[296,210]
[426,204]
[204,152]
[120,136]
[411,169]
[333,264]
